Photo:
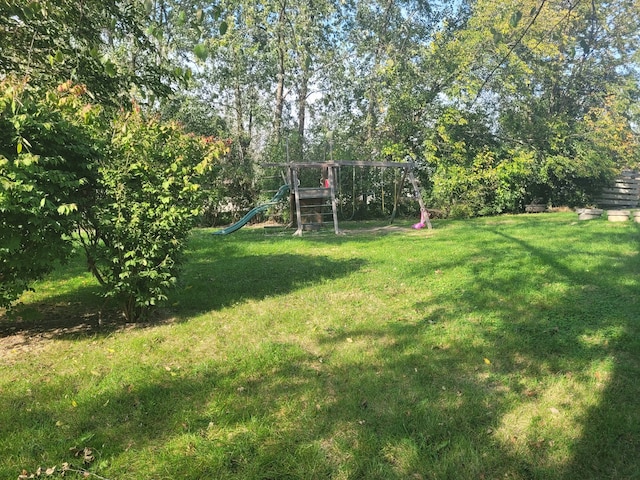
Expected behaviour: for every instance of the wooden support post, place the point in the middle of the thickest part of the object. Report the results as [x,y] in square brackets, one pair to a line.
[296,193]
[416,189]
[334,202]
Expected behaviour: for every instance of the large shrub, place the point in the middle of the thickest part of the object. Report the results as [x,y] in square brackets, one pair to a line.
[492,185]
[46,158]
[148,197]
[472,174]
[129,190]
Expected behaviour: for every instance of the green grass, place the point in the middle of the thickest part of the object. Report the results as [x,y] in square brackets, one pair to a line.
[504,347]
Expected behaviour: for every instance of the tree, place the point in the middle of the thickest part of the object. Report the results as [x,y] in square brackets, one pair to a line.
[51,42]
[46,154]
[65,66]
[539,70]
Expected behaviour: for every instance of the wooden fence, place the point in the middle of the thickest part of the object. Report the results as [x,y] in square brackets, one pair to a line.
[624,193]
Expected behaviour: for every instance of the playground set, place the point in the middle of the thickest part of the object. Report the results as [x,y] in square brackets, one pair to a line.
[315,205]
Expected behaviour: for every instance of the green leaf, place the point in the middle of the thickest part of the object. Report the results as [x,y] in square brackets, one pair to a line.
[110,68]
[28,12]
[67,208]
[515,19]
[585,46]
[201,51]
[223,27]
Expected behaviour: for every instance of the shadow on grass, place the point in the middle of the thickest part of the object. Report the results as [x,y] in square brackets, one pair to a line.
[409,403]
[211,283]
[214,277]
[223,271]
[592,319]
[595,322]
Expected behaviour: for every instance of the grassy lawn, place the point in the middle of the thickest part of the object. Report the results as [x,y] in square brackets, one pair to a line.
[504,347]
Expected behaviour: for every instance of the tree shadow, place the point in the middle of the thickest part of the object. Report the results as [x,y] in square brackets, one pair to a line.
[215,275]
[212,283]
[593,319]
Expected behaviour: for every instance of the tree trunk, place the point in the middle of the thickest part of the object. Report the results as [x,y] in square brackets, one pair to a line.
[302,106]
[279,105]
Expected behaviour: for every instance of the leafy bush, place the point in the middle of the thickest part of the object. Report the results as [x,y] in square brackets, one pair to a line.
[130,189]
[46,152]
[148,197]
[492,185]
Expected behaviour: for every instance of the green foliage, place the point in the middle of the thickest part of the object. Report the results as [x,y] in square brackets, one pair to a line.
[45,168]
[148,197]
[572,180]
[132,190]
[237,188]
[550,79]
[100,43]
[472,174]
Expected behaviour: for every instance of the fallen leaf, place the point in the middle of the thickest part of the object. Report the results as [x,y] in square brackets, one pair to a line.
[350,340]
[88,458]
[554,410]
[487,361]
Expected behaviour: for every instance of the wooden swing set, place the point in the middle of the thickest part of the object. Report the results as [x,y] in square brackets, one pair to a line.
[309,203]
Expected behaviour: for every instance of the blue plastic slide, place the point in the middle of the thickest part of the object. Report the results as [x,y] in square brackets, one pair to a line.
[282,192]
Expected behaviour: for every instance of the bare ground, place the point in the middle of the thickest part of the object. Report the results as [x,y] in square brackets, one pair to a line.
[30,328]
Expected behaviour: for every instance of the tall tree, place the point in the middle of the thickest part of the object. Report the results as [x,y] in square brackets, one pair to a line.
[538,68]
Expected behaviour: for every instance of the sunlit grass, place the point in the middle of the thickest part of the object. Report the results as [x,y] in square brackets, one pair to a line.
[496,348]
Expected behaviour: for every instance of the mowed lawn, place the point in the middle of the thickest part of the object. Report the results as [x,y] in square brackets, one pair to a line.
[505,347]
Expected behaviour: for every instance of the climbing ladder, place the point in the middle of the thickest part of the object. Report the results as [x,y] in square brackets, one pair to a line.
[314,202]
